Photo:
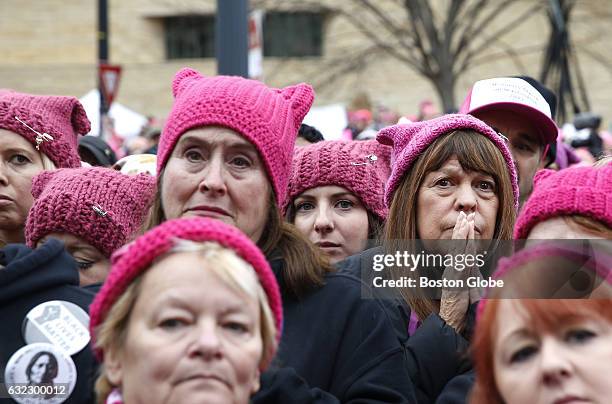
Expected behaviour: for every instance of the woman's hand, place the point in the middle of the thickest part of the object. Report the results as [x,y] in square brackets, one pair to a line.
[455,301]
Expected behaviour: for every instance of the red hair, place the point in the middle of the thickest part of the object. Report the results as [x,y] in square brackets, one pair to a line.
[544,316]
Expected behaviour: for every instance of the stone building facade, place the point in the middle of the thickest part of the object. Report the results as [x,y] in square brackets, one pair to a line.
[50,47]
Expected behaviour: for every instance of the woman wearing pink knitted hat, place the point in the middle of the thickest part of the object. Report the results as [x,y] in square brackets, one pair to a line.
[452,183]
[94,211]
[36,133]
[335,194]
[225,153]
[572,203]
[190,313]
[560,342]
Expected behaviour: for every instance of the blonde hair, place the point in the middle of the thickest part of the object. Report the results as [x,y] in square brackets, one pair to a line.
[47,163]
[603,161]
[236,273]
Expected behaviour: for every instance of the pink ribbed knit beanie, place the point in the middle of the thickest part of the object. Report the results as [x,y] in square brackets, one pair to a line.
[62,119]
[100,205]
[596,260]
[269,118]
[138,256]
[362,167]
[410,140]
[584,191]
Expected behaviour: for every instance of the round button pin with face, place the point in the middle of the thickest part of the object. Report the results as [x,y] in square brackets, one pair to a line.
[40,373]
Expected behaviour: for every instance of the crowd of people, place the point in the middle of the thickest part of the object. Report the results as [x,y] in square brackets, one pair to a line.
[238,260]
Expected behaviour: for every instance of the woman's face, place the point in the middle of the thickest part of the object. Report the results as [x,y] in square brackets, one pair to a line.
[19,163]
[39,369]
[573,364]
[92,264]
[190,338]
[446,192]
[215,172]
[334,219]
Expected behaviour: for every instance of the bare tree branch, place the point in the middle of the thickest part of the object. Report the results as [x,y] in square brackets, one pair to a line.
[451,21]
[382,43]
[472,28]
[399,33]
[426,68]
[340,67]
[511,25]
[599,58]
[507,51]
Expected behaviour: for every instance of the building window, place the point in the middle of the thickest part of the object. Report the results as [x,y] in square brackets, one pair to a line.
[293,34]
[190,36]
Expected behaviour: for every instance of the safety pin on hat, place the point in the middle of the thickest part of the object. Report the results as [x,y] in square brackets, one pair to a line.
[40,137]
[505,139]
[99,210]
[369,159]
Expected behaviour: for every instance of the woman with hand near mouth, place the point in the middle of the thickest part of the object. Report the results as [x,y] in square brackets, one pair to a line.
[225,153]
[191,313]
[335,195]
[37,132]
[452,184]
[466,189]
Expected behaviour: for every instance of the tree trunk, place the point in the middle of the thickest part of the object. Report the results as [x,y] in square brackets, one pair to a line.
[445,87]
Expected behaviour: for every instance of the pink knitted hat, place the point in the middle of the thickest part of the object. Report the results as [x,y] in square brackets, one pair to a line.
[269,118]
[99,205]
[62,119]
[410,140]
[362,167]
[599,263]
[585,191]
[138,256]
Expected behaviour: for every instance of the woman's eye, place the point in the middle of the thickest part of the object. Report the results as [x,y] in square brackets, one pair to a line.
[523,354]
[84,264]
[20,159]
[303,206]
[344,204]
[172,323]
[579,336]
[241,162]
[487,186]
[443,183]
[236,327]
[193,155]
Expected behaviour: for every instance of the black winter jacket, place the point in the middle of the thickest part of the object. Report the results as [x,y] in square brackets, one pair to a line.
[336,347]
[436,354]
[31,277]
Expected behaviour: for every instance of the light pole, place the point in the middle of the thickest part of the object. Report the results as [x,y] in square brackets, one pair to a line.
[231,38]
